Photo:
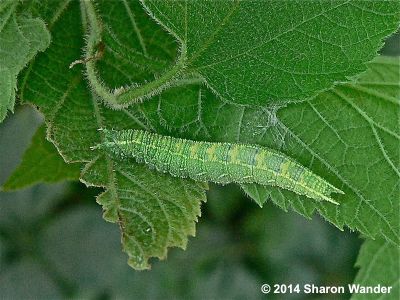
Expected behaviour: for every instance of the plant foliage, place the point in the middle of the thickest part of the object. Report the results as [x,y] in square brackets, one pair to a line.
[282,74]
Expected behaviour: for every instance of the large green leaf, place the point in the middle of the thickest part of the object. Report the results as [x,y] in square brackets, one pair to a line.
[155,210]
[20,39]
[349,135]
[379,263]
[268,52]
[354,132]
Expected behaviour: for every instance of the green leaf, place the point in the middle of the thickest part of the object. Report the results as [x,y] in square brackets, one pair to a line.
[6,93]
[24,122]
[379,262]
[272,52]
[41,163]
[20,39]
[256,192]
[333,135]
[154,211]
[353,131]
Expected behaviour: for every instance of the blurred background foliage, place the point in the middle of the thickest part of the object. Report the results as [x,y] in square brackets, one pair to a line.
[54,243]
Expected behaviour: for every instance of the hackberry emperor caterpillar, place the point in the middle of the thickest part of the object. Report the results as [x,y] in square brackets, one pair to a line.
[217,162]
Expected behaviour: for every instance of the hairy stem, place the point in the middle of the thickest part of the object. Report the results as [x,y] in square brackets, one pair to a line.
[121,97]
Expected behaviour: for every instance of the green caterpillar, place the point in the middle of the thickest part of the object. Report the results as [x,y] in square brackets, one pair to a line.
[217,162]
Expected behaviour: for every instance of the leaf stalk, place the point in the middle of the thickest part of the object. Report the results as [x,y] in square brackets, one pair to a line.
[121,97]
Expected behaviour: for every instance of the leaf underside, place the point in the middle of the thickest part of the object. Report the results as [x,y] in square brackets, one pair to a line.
[41,163]
[154,211]
[333,134]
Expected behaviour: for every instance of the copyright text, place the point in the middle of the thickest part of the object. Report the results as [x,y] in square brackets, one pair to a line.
[317,289]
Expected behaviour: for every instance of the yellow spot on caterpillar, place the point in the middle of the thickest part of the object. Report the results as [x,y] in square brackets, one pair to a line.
[194,150]
[285,168]
[211,152]
[260,159]
[178,147]
[234,153]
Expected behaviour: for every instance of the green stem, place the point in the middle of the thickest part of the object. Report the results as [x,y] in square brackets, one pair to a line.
[123,96]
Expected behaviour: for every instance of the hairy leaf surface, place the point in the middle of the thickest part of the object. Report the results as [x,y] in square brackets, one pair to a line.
[20,39]
[271,52]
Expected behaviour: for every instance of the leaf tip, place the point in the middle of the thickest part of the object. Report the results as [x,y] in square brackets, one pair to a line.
[139,263]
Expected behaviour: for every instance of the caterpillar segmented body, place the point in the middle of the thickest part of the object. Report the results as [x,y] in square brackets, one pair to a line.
[217,162]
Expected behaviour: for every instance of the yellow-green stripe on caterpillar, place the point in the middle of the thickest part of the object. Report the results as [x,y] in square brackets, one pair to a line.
[217,162]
